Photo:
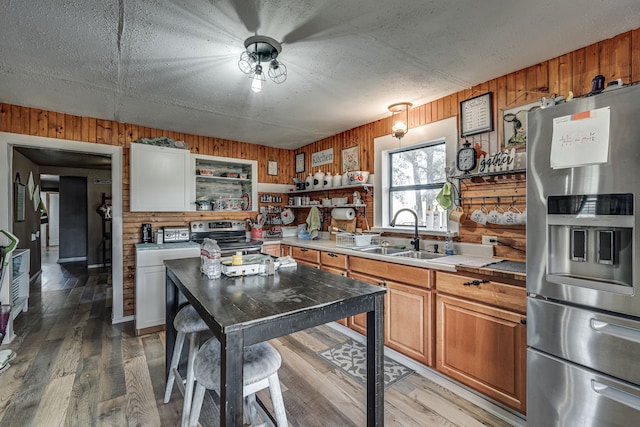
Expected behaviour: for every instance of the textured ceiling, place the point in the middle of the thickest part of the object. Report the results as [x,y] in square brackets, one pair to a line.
[173,64]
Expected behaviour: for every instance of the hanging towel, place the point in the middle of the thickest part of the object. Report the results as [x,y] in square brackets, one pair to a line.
[313,222]
[444,196]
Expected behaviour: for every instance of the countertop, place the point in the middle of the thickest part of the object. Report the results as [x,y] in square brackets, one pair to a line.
[161,246]
[517,277]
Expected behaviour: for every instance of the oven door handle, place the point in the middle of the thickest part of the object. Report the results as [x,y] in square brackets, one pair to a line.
[618,331]
[622,397]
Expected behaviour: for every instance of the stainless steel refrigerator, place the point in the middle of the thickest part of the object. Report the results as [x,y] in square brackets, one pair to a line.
[583,308]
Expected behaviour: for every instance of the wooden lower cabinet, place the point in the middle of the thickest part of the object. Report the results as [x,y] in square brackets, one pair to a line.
[408,309]
[311,256]
[271,250]
[337,264]
[483,347]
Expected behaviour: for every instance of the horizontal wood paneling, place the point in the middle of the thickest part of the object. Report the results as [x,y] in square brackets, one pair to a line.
[618,57]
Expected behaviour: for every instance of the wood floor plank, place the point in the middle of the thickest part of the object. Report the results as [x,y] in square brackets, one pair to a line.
[83,401]
[111,413]
[52,409]
[141,406]
[67,361]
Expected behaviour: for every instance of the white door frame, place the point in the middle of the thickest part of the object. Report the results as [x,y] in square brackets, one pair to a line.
[9,140]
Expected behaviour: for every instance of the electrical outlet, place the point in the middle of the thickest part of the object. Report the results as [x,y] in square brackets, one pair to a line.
[489,240]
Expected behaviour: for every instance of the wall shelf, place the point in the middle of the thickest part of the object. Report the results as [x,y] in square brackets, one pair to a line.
[487,174]
[366,187]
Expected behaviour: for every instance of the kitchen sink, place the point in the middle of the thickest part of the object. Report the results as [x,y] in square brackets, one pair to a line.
[380,250]
[417,254]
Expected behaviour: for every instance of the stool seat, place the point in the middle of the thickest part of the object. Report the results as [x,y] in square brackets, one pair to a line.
[260,362]
[259,371]
[189,321]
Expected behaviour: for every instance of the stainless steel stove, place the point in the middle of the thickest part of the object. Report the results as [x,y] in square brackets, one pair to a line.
[231,236]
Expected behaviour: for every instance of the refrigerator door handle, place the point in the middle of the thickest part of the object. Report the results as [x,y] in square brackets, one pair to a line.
[617,395]
[624,332]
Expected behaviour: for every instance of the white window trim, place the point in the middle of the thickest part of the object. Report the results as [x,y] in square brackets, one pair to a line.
[446,130]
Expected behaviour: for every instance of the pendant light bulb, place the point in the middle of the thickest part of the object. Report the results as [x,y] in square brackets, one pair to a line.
[257,79]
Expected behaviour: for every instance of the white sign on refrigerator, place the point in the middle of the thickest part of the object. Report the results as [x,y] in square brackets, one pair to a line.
[580,139]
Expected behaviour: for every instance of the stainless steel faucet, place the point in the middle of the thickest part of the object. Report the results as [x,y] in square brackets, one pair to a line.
[416,240]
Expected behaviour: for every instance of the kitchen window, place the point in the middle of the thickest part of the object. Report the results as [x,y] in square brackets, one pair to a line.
[416,176]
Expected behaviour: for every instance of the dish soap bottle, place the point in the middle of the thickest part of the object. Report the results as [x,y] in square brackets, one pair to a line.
[448,244]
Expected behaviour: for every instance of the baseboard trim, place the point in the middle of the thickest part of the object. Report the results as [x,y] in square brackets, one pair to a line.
[74,259]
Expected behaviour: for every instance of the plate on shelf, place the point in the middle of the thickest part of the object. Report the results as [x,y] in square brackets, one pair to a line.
[246,202]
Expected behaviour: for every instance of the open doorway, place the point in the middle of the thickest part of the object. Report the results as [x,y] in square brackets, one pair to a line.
[111,186]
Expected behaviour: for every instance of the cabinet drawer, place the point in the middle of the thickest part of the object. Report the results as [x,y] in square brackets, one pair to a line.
[333,259]
[497,294]
[305,254]
[404,273]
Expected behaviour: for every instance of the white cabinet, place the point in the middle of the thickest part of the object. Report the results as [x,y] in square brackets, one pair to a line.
[151,280]
[17,293]
[159,179]
[231,184]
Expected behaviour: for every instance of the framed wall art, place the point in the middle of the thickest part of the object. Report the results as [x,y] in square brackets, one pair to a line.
[299,162]
[514,125]
[20,193]
[272,167]
[476,115]
[351,159]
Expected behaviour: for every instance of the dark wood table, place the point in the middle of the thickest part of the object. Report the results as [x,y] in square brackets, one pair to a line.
[248,310]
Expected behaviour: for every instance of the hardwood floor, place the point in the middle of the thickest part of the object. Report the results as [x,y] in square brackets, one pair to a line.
[74,368]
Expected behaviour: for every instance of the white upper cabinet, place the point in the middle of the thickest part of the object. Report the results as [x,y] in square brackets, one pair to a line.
[160,179]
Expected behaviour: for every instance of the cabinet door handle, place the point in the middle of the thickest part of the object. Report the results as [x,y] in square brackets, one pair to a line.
[304,250]
[475,282]
[382,283]
[523,321]
[332,255]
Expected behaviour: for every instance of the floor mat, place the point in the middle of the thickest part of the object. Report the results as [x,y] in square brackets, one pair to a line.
[351,357]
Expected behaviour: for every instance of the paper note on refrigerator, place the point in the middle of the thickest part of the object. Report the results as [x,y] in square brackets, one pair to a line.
[580,139]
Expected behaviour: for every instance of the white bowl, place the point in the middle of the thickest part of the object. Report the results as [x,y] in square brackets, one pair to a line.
[358,177]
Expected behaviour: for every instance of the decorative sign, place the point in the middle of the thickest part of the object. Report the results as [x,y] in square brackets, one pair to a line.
[502,161]
[322,157]
[580,139]
[476,115]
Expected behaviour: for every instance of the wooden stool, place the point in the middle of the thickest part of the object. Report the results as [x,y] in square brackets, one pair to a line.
[187,322]
[260,370]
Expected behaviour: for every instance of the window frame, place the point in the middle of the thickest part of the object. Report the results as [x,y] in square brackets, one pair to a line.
[390,189]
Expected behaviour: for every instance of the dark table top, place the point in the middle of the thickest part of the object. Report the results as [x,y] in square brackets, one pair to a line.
[249,302]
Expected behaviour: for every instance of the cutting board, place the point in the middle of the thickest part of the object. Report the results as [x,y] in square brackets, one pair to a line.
[348,225]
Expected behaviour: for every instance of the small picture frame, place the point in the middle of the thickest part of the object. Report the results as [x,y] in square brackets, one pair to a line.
[299,162]
[514,125]
[272,167]
[19,201]
[476,115]
[351,159]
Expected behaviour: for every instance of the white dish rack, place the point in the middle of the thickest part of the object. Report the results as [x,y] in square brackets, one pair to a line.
[351,240]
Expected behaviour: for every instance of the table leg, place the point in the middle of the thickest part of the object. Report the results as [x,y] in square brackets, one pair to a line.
[172,307]
[375,364]
[231,363]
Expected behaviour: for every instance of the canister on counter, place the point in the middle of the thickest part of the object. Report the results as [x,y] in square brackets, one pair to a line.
[146,233]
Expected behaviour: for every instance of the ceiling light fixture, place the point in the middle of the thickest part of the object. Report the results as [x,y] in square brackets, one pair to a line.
[262,49]
[400,118]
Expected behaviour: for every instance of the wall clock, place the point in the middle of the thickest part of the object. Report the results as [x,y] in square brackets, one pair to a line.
[466,158]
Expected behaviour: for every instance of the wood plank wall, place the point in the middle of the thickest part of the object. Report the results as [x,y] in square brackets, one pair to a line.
[615,58]
[618,57]
[30,121]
